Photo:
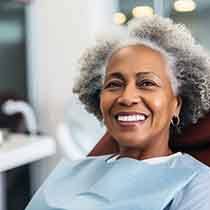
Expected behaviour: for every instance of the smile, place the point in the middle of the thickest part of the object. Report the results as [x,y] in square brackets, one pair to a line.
[130,117]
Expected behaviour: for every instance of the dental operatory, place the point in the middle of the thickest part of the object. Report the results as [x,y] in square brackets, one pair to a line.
[104,105]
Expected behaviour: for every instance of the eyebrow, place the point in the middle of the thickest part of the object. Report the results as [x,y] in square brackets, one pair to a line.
[115,75]
[142,74]
[139,74]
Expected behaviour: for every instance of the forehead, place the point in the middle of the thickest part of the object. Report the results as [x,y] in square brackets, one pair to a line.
[137,58]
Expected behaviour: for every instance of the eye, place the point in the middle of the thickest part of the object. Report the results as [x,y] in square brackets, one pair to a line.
[146,83]
[113,85]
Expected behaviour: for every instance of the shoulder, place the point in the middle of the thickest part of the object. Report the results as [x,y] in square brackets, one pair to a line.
[201,182]
[196,195]
[188,161]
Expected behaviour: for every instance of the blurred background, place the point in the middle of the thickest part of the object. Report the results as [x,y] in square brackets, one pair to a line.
[40,43]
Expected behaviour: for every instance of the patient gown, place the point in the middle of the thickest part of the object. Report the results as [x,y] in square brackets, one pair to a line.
[94,183]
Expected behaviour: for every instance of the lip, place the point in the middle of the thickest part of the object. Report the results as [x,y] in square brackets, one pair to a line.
[130,123]
[130,113]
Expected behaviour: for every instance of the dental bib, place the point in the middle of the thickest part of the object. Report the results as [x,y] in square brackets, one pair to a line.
[94,184]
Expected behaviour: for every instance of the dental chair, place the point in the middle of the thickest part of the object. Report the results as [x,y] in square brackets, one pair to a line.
[195,140]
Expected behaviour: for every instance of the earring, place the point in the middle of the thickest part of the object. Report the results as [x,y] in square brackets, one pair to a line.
[175,121]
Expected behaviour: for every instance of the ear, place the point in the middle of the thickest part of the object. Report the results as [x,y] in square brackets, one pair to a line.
[178,105]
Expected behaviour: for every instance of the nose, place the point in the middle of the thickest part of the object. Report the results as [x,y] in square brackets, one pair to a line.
[129,96]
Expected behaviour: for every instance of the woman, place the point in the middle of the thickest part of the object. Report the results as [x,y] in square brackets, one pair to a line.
[146,85]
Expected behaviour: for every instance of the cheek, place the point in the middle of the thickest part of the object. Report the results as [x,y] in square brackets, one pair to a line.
[158,104]
[104,103]
[162,105]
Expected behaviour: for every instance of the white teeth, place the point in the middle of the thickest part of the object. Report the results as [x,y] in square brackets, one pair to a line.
[130,118]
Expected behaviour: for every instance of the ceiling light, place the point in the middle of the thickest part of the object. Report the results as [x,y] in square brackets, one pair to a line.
[184,5]
[119,18]
[142,11]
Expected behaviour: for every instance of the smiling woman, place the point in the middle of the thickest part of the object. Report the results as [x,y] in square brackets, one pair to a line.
[145,85]
[136,94]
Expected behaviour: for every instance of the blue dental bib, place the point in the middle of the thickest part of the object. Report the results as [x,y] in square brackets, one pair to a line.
[94,184]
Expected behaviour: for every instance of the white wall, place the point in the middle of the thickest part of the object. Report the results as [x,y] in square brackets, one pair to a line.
[57,32]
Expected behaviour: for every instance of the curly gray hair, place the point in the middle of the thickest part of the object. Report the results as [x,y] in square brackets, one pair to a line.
[189,64]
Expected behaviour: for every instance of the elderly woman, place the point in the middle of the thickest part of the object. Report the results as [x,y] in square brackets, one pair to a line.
[146,85]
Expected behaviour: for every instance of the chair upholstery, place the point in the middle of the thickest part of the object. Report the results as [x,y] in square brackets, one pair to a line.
[195,140]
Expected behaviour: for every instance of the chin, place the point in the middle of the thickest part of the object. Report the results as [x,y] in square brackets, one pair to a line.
[131,141]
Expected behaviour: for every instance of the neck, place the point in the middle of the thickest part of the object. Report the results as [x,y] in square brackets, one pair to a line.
[158,150]
[141,155]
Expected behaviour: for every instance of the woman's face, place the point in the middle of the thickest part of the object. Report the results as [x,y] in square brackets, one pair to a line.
[137,101]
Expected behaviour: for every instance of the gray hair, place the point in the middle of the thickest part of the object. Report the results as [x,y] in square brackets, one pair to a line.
[189,64]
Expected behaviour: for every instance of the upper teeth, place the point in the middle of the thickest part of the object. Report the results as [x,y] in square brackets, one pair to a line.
[131,117]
